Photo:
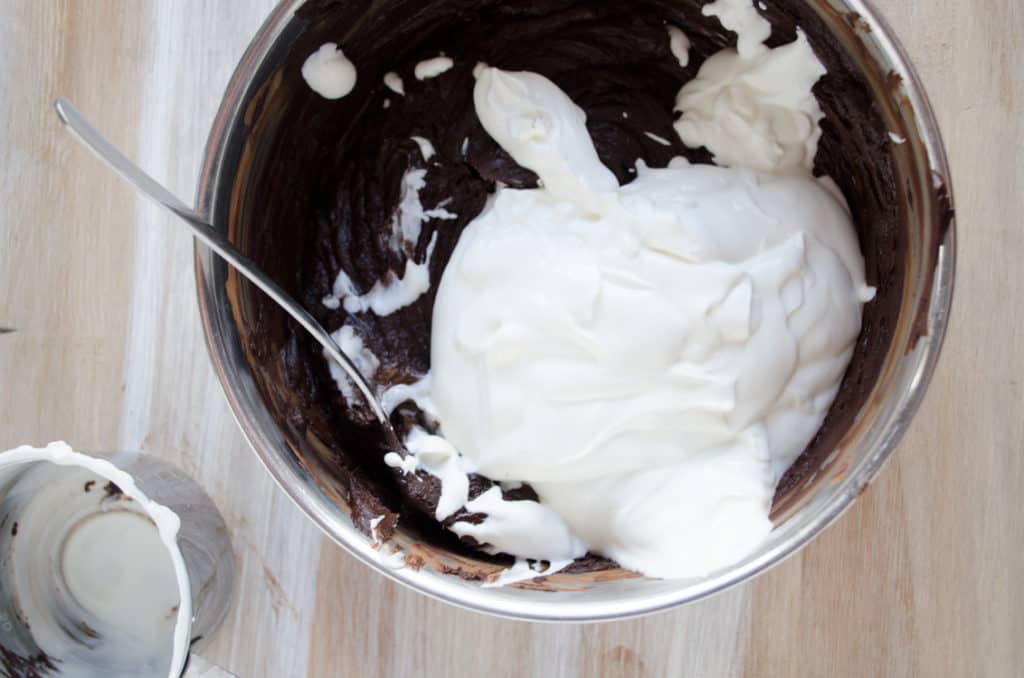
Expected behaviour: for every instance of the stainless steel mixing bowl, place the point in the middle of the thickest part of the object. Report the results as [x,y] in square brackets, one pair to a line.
[923,183]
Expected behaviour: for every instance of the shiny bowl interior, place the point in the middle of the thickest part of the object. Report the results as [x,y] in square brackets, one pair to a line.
[907,342]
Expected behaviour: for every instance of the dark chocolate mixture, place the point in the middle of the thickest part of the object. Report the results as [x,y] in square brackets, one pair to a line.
[319,183]
[16,666]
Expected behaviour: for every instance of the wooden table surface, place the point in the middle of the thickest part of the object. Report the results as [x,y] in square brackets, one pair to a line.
[921,577]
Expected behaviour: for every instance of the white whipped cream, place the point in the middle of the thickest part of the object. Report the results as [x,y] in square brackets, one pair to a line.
[526,528]
[391,559]
[511,108]
[388,295]
[651,358]
[418,392]
[753,107]
[524,570]
[393,81]
[351,344]
[328,72]
[431,68]
[397,291]
[407,223]
[521,527]
[679,45]
[426,148]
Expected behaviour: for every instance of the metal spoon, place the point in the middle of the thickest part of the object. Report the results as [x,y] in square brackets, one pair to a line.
[145,184]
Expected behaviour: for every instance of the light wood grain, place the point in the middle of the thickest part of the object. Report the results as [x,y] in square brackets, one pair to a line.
[920,578]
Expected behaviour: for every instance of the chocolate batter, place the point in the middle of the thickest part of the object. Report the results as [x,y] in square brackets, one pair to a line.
[16,666]
[319,182]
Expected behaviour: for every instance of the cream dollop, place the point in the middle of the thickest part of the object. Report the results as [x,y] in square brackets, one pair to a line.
[650,358]
[431,68]
[757,113]
[543,130]
[752,106]
[679,45]
[328,72]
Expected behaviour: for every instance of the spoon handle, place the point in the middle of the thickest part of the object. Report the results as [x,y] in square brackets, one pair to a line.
[83,130]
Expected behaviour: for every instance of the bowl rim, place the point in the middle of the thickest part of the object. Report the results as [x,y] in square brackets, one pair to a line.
[318,508]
